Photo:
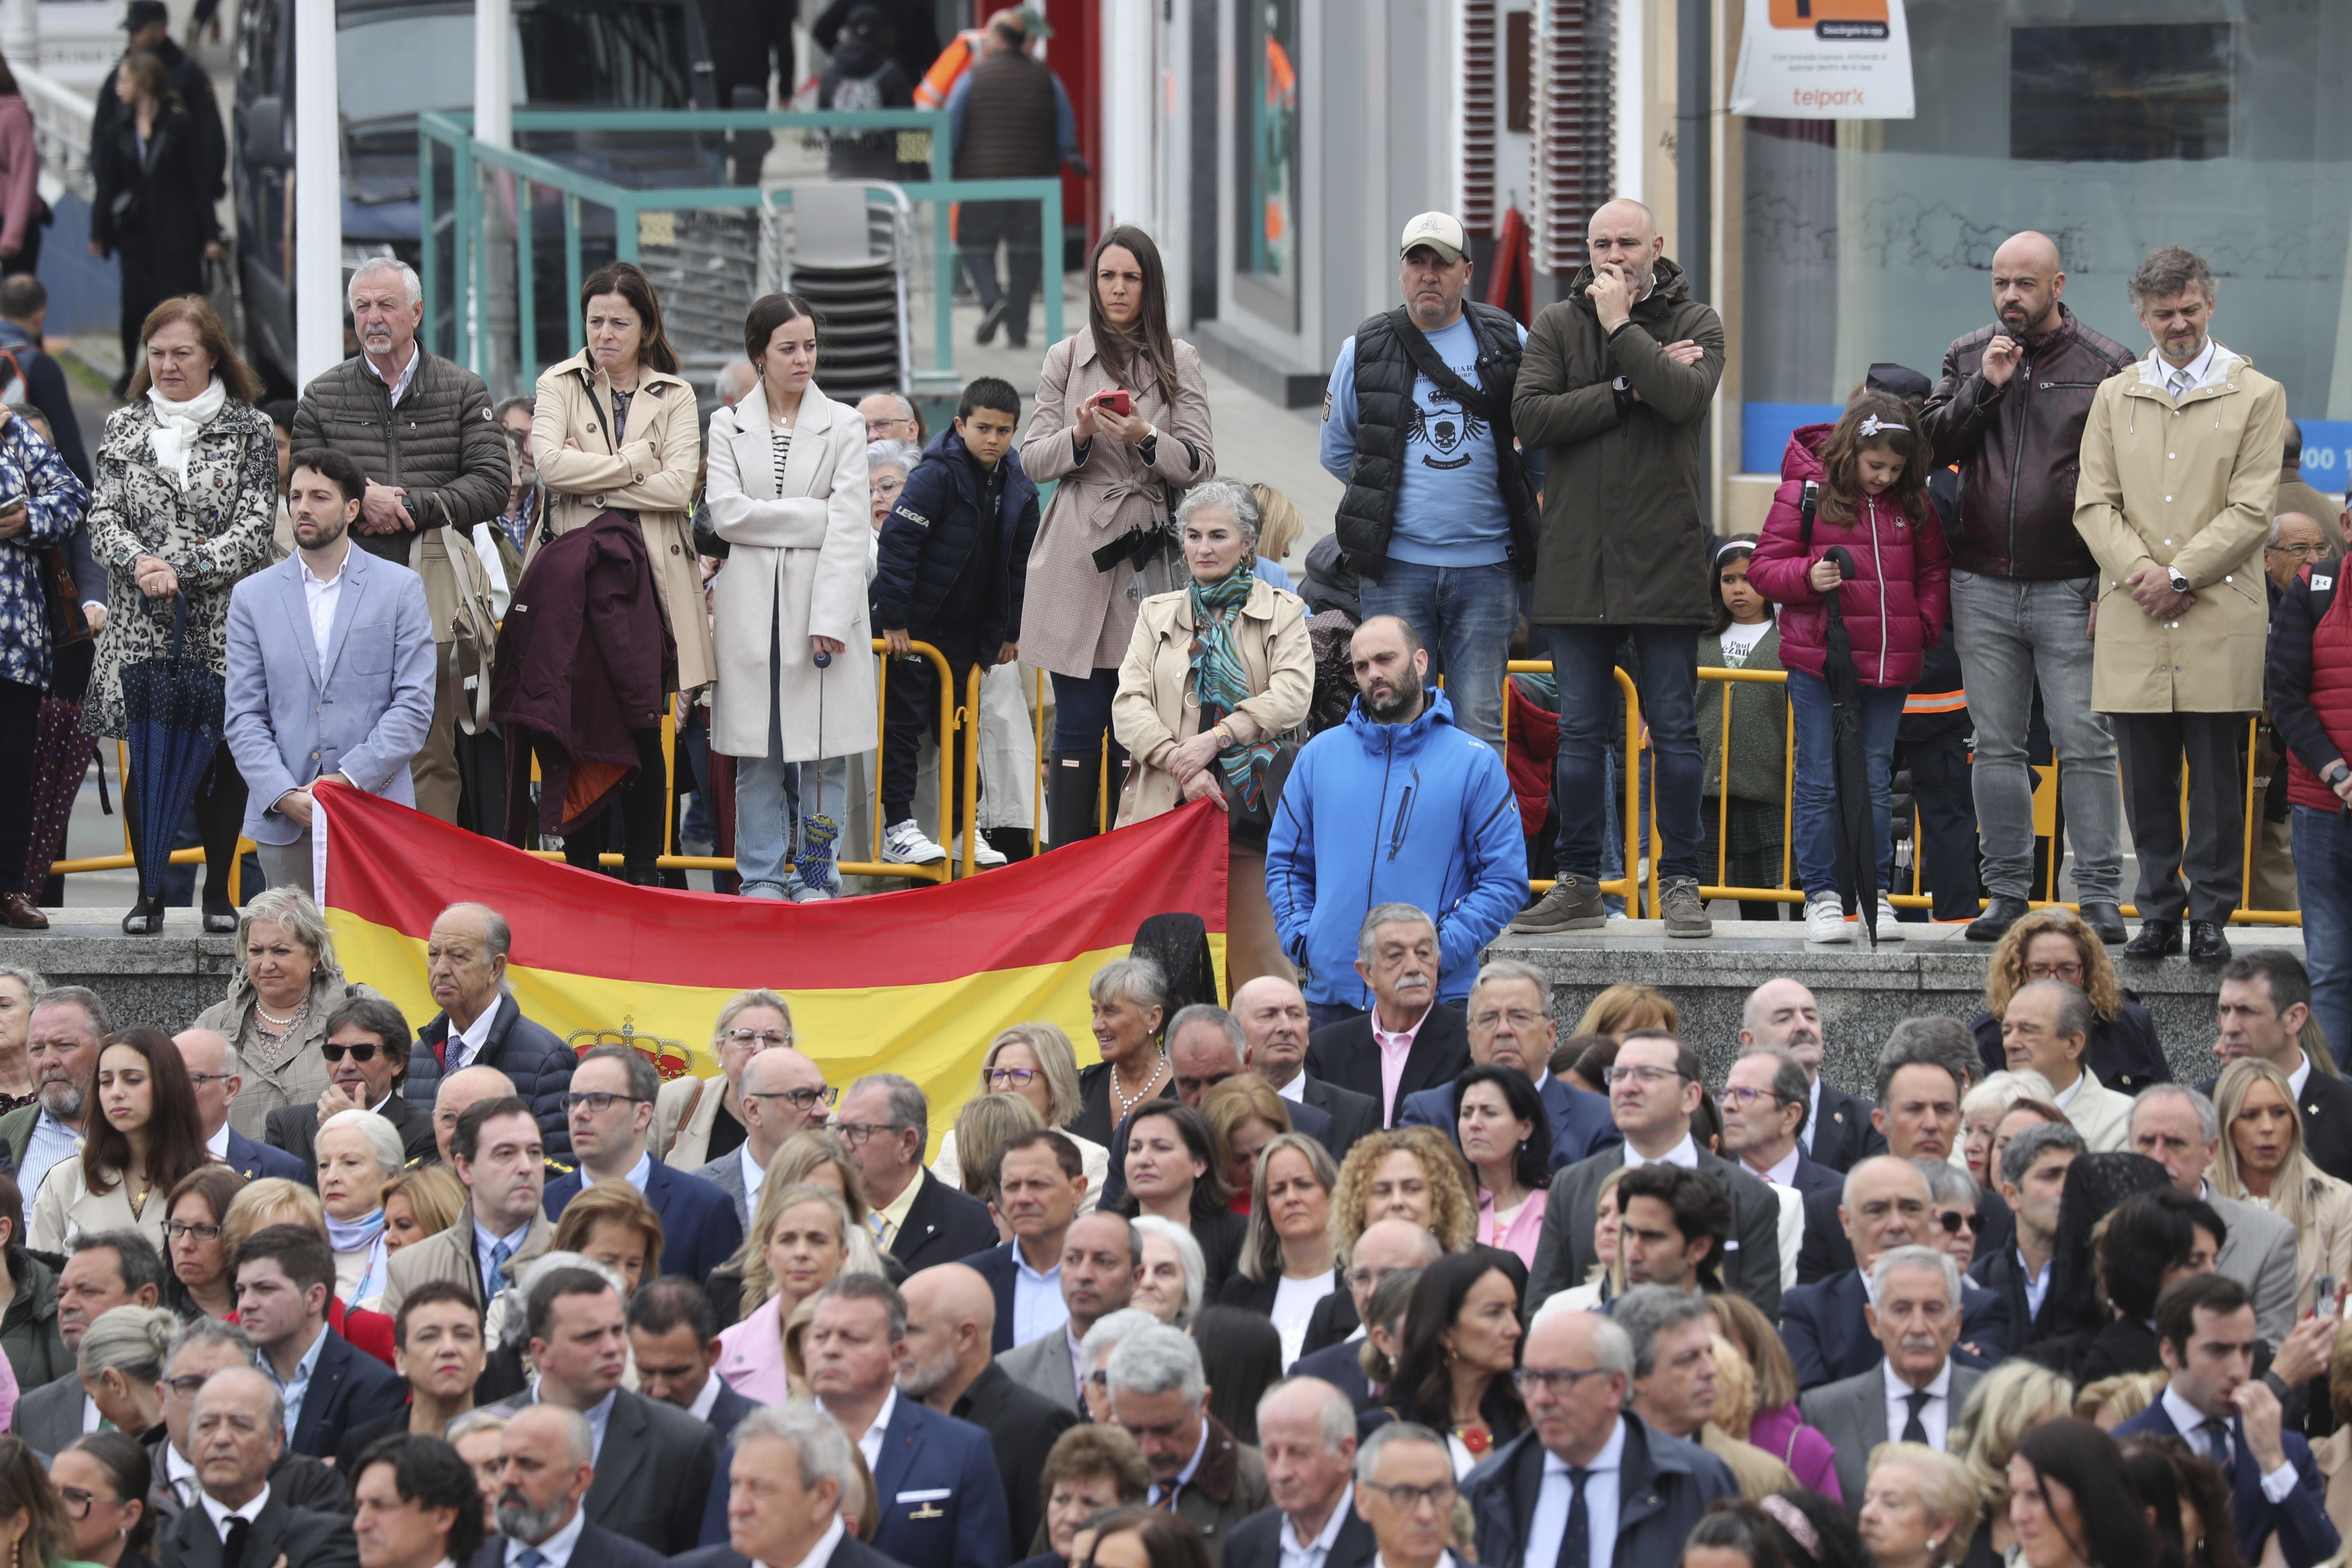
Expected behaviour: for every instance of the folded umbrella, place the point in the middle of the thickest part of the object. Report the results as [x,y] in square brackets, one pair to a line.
[172,710]
[1855,829]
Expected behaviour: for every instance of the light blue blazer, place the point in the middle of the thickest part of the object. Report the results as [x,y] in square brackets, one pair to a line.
[363,717]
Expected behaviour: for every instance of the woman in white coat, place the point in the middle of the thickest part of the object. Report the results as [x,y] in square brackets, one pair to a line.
[787,492]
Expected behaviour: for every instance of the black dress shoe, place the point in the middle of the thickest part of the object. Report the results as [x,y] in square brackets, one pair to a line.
[2206,942]
[2106,923]
[2156,939]
[2000,914]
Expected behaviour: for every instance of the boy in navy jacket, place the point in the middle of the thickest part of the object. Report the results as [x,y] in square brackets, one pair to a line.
[954,556]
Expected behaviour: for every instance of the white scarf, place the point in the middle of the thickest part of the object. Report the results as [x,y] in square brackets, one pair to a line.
[178,425]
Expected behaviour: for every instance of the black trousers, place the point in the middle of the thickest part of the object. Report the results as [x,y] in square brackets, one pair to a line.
[220,816]
[20,717]
[910,711]
[1936,748]
[630,825]
[2152,747]
[151,276]
[979,227]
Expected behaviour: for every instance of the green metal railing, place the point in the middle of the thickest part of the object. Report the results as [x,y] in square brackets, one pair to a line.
[453,133]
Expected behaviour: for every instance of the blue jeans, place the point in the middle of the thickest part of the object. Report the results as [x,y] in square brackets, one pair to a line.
[768,804]
[1666,674]
[1082,710]
[2323,882]
[1816,798]
[1464,614]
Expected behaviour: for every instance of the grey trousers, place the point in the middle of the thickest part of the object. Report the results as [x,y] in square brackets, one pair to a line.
[288,865]
[2013,633]
[2153,746]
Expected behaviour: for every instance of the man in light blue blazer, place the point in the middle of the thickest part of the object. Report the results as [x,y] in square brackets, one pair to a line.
[330,669]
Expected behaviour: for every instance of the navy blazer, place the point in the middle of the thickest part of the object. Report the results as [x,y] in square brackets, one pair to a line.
[347,1387]
[1843,1135]
[1829,1339]
[726,1410]
[1580,1122]
[997,1266]
[1312,1120]
[1341,1366]
[700,1230]
[943,1225]
[943,1500]
[253,1161]
[2305,1534]
[596,1548]
[1826,1252]
[1256,1543]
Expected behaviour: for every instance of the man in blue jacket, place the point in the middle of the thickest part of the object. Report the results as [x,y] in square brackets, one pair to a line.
[954,557]
[1396,807]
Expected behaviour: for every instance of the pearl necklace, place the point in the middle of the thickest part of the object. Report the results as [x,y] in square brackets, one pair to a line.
[1126,1103]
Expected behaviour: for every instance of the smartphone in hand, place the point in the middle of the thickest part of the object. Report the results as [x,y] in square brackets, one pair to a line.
[1118,401]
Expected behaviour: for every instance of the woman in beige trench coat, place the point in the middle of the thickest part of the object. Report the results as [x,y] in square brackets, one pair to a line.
[615,429]
[1105,545]
[1214,675]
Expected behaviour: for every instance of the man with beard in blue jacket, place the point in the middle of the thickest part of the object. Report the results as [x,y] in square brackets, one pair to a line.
[1396,806]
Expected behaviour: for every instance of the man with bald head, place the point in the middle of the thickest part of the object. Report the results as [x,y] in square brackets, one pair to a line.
[1616,387]
[214,1067]
[458,1090]
[2010,410]
[890,418]
[782,1092]
[237,1431]
[1837,1129]
[951,1318]
[1205,1047]
[1272,1012]
[1335,1331]
[480,1024]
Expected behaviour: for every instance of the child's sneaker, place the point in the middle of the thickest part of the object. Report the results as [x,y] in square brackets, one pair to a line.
[1890,926]
[1826,919]
[904,844]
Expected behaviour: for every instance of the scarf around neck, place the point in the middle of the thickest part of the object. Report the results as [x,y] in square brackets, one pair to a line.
[350,1235]
[1223,681]
[178,425]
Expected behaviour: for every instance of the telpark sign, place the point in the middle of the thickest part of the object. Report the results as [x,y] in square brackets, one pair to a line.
[1824,59]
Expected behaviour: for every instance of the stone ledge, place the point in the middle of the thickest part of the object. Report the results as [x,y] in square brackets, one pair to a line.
[164,980]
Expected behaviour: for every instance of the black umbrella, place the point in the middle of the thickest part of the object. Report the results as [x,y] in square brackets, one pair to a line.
[1856,830]
[172,710]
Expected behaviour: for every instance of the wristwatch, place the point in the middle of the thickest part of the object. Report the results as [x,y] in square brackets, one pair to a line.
[2179,583]
[1150,445]
[2336,774]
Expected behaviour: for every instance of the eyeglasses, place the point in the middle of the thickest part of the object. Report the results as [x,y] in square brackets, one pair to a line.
[77,1502]
[2314,551]
[1648,1077]
[996,1078]
[173,1229]
[188,1385]
[1955,1221]
[855,1133]
[216,1076]
[597,1101]
[1515,1018]
[1409,1499]
[1558,1380]
[1743,1097]
[762,1039]
[335,1053]
[2068,971]
[798,1099]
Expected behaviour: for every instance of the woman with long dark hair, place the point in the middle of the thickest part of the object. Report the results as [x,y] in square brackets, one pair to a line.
[35,1532]
[144,1138]
[153,210]
[615,429]
[1172,1172]
[1505,1134]
[1462,1338]
[2072,1502]
[2190,1499]
[1122,421]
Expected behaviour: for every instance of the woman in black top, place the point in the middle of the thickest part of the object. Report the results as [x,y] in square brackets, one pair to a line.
[1172,1172]
[1461,1335]
[151,210]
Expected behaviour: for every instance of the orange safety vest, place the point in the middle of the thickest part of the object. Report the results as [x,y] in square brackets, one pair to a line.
[939,81]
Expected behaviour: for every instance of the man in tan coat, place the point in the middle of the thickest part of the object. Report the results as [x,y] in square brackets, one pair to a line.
[2181,465]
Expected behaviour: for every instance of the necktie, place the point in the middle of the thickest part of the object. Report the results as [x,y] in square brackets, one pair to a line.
[494,1281]
[530,1557]
[881,1231]
[1914,1430]
[1576,1540]
[2217,1442]
[233,1542]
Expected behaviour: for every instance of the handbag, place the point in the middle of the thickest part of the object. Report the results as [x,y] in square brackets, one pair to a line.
[60,597]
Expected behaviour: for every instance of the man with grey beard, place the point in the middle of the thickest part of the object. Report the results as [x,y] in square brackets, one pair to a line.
[67,1026]
[546,1465]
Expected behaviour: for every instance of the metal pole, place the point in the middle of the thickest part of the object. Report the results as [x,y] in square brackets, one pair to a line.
[318,194]
[494,73]
[1129,104]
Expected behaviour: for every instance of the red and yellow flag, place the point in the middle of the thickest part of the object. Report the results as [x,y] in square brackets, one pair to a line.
[915,983]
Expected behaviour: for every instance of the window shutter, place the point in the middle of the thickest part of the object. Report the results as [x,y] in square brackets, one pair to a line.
[1574,102]
[1478,106]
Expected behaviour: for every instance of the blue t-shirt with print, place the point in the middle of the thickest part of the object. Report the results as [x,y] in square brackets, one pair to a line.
[1449,502]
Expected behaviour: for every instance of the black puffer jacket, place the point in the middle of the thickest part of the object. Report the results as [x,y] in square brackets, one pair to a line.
[931,535]
[441,443]
[539,1064]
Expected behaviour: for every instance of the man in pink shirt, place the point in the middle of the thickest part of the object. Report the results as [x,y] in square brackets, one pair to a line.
[1410,1040]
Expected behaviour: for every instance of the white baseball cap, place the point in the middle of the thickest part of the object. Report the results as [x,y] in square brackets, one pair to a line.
[1442,232]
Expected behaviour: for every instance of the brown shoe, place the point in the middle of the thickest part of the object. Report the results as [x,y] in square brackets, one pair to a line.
[22,914]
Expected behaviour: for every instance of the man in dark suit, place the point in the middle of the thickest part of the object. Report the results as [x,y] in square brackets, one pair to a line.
[609,1107]
[936,1477]
[674,1340]
[239,1519]
[1102,1264]
[1765,1101]
[1040,1178]
[1307,1431]
[784,1519]
[950,1368]
[2206,1336]
[401,1483]
[367,1050]
[1511,1024]
[480,1025]
[105,1269]
[1335,1333]
[1823,1324]
[886,1122]
[1272,1012]
[204,1347]
[1915,1323]
[1653,1092]
[1410,1040]
[548,1463]
[218,1075]
[2264,1000]
[285,1278]
[2033,1181]
[1838,1129]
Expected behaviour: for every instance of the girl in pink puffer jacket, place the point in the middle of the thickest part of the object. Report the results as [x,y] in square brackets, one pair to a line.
[1870,499]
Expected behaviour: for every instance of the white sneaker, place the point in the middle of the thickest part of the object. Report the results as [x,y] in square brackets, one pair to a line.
[1826,919]
[1890,927]
[904,844]
[984,853]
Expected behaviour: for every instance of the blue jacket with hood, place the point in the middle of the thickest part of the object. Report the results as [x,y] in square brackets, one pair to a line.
[1419,814]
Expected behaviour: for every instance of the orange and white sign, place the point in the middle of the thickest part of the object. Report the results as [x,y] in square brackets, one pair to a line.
[1824,59]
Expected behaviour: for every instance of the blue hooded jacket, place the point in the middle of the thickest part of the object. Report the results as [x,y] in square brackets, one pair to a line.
[1419,814]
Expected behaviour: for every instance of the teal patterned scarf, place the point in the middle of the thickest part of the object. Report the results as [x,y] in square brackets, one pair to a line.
[1222,681]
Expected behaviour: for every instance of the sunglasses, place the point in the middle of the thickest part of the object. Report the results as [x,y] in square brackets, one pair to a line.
[335,1053]
[1955,1221]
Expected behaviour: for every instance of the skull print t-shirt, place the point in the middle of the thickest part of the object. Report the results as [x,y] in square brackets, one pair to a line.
[1449,504]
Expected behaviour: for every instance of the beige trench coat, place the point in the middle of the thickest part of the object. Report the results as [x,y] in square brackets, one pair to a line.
[1156,703]
[795,569]
[2188,487]
[1078,619]
[651,473]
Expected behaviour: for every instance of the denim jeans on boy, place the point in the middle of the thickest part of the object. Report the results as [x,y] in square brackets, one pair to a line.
[1465,616]
[1666,675]
[1816,797]
[2323,882]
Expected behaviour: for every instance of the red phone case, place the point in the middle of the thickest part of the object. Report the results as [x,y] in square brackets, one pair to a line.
[1117,402]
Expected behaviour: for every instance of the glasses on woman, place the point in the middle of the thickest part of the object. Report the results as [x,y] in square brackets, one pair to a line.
[1955,1221]
[2066,969]
[759,1039]
[998,1080]
[78,1500]
[178,1229]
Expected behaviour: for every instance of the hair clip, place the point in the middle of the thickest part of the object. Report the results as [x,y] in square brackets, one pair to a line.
[1871,425]
[1790,1517]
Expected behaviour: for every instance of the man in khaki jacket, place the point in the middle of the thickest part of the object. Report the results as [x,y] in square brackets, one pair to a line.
[497,1155]
[2180,464]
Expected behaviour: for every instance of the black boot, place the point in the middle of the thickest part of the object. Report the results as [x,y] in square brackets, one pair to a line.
[2001,912]
[1073,796]
[2158,938]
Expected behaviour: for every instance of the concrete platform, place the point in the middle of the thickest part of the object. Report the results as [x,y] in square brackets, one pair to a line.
[164,980]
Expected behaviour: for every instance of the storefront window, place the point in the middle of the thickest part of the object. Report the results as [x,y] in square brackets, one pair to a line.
[1266,225]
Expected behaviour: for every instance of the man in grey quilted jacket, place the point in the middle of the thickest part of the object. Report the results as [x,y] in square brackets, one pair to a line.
[421,427]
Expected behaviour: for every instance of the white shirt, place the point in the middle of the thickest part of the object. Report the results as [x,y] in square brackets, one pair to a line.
[182,1474]
[2180,379]
[870,1443]
[218,1144]
[464,1045]
[1549,1521]
[1037,1305]
[754,1173]
[2066,1095]
[1685,1153]
[2277,1486]
[1191,1466]
[1077,1360]
[1813,1118]
[2299,1076]
[556,1549]
[320,596]
[407,372]
[1294,1303]
[1313,1553]
[222,1513]
[639,1173]
[821,1554]
[1295,1092]
[700,1408]
[1782,1175]
[1934,1416]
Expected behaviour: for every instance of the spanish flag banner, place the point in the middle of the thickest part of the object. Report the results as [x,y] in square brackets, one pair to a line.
[915,982]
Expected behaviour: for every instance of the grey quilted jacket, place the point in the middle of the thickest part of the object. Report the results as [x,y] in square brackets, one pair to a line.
[440,443]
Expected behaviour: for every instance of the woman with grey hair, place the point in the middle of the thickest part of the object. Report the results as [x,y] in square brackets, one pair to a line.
[1215,676]
[358,1152]
[1130,1008]
[121,1362]
[1175,1271]
[887,464]
[286,983]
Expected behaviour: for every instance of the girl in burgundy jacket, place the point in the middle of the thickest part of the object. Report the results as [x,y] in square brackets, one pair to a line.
[1870,501]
